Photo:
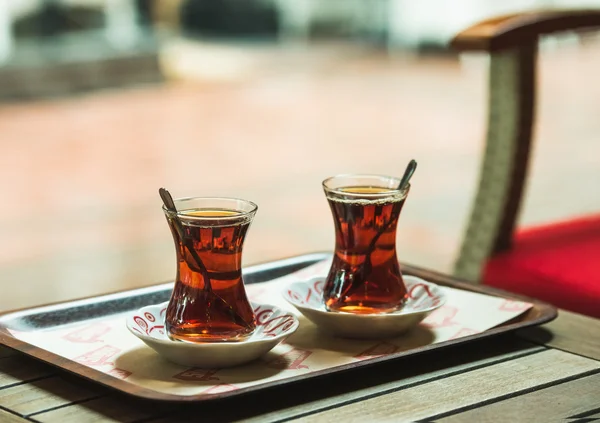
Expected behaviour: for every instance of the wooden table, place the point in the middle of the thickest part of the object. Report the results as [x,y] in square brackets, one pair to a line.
[546,374]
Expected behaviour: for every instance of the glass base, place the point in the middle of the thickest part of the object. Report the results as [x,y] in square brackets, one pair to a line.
[201,333]
[365,307]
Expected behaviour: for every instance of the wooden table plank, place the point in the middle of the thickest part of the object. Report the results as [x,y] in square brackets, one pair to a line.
[293,400]
[466,389]
[569,332]
[18,369]
[575,399]
[6,417]
[333,401]
[107,409]
[44,394]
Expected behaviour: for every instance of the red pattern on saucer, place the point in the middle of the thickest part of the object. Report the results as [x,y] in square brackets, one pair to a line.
[420,295]
[270,322]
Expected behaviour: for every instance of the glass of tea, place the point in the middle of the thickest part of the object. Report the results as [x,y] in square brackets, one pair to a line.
[209,302]
[365,276]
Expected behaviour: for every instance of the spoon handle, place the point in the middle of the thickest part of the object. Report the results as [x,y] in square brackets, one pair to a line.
[167,200]
[170,205]
[408,173]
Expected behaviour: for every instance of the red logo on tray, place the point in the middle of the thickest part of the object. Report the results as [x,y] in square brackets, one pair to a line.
[291,360]
[98,357]
[88,334]
[196,374]
[511,305]
[119,373]
[382,348]
[220,388]
[463,332]
[442,317]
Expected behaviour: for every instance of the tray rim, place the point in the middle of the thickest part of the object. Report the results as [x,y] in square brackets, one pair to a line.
[546,313]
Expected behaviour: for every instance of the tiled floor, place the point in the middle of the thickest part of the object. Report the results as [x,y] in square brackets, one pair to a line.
[81,211]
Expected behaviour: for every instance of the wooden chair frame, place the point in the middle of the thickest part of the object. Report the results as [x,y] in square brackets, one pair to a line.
[511,41]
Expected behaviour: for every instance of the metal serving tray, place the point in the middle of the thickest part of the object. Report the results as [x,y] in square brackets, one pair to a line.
[85,310]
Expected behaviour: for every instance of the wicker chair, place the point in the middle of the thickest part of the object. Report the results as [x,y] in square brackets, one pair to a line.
[558,263]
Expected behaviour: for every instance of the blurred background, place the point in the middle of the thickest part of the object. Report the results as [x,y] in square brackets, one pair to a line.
[104,101]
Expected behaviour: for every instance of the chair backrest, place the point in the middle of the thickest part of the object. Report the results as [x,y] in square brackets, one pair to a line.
[511,41]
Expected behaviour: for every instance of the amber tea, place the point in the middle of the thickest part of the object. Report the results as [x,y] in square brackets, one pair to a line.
[209,302]
[365,276]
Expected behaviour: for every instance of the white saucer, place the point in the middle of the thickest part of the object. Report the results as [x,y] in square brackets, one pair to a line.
[423,298]
[273,325]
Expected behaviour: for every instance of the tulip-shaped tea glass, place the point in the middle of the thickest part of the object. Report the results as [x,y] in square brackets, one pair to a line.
[209,302]
[365,275]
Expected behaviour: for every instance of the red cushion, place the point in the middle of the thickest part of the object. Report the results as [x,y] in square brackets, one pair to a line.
[558,263]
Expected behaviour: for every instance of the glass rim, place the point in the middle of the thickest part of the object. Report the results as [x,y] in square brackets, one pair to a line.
[391,193]
[253,207]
